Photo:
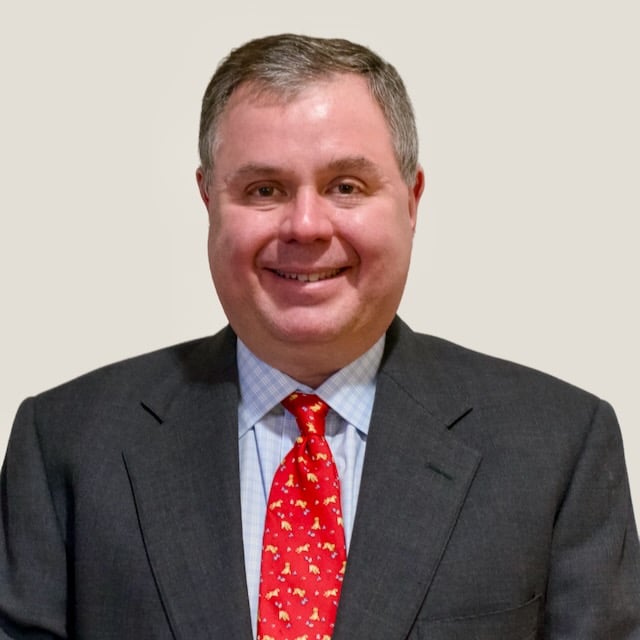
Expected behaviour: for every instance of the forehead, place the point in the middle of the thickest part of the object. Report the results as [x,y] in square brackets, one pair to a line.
[333,115]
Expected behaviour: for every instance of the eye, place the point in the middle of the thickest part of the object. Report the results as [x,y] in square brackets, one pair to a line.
[345,188]
[264,191]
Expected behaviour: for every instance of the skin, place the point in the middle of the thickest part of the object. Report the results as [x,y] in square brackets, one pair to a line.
[310,225]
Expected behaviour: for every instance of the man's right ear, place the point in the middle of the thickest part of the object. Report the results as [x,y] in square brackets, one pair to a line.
[203,186]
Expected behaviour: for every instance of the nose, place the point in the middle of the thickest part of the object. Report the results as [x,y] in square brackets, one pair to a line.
[307,218]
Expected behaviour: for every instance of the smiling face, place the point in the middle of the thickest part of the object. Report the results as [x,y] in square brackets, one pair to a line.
[311,224]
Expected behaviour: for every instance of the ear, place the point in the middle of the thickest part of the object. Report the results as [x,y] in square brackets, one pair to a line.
[415,193]
[203,185]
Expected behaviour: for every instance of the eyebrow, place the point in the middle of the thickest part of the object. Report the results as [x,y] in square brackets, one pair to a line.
[357,164]
[346,164]
[251,169]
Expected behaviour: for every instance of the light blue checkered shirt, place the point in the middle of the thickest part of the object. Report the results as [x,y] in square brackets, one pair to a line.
[266,432]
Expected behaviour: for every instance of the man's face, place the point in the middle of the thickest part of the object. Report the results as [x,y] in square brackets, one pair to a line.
[311,223]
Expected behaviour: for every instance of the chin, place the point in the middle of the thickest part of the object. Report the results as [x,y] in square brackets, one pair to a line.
[348,334]
[306,333]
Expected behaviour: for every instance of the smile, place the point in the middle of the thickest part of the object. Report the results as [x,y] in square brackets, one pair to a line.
[309,277]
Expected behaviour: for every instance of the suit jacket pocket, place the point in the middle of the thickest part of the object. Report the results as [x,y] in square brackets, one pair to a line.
[517,623]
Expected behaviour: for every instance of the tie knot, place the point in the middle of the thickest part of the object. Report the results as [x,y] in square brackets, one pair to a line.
[309,411]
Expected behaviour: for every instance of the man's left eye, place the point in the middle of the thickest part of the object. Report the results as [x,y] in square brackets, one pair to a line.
[349,188]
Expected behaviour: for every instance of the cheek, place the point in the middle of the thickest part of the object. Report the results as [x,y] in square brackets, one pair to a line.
[233,243]
[385,262]
[225,264]
[223,237]
[213,246]
[386,244]
[222,253]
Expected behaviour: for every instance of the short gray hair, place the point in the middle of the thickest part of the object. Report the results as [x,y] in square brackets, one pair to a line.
[287,63]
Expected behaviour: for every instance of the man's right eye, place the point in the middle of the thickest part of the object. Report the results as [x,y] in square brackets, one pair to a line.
[264,194]
[265,191]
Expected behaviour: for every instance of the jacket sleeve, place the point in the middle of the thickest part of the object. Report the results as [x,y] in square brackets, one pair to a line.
[594,584]
[33,561]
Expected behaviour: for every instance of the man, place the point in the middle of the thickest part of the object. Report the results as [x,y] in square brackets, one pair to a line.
[492,500]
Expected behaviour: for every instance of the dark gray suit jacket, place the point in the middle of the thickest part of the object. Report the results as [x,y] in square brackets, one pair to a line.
[494,505]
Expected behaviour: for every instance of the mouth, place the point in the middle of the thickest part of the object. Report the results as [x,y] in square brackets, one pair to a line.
[309,277]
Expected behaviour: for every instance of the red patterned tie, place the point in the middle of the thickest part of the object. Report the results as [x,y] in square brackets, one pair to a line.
[303,554]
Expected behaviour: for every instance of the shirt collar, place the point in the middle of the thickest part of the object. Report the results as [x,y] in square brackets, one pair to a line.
[350,391]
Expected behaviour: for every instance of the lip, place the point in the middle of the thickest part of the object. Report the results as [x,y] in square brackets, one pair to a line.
[309,276]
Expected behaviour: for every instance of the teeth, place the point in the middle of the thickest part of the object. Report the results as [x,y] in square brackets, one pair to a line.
[309,277]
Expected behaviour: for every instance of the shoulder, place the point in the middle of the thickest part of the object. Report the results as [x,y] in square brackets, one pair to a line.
[110,403]
[514,416]
[475,371]
[501,392]
[191,361]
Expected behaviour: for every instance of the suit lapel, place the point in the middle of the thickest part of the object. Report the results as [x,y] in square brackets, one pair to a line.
[415,479]
[185,480]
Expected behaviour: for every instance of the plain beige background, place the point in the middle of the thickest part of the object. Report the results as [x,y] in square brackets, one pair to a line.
[527,245]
